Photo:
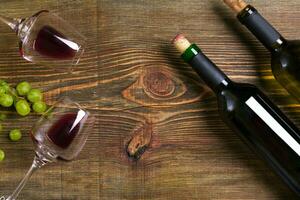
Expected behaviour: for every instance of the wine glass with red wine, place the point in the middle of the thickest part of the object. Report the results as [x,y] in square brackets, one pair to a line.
[60,134]
[45,38]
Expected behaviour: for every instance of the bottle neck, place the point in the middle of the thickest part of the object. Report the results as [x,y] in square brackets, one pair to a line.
[206,69]
[261,28]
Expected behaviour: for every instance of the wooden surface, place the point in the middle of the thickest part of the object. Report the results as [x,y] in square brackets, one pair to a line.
[158,133]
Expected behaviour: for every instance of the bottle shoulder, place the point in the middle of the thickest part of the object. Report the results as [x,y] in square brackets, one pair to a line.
[239,90]
[287,57]
[234,96]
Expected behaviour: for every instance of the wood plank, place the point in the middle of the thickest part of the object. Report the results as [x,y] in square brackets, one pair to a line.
[71,180]
[192,154]
[148,102]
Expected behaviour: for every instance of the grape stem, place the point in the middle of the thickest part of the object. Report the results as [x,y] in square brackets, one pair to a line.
[13,93]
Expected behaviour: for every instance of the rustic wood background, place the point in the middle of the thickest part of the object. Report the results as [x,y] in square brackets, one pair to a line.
[158,133]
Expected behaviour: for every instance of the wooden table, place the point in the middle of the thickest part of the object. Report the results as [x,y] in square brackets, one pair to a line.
[148,103]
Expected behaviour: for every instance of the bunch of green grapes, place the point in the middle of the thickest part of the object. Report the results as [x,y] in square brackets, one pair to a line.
[23,98]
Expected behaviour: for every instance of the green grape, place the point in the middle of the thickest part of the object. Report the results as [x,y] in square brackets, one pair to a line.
[6,100]
[39,107]
[2,155]
[2,82]
[34,95]
[15,135]
[4,85]
[14,94]
[2,90]
[22,107]
[13,91]
[23,88]
[3,116]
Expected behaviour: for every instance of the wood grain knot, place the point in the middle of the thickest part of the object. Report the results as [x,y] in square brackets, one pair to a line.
[140,141]
[161,87]
[158,83]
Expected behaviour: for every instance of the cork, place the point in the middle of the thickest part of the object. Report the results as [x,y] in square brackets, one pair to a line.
[181,43]
[236,5]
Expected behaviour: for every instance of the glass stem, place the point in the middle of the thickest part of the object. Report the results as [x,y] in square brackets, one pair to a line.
[13,23]
[36,164]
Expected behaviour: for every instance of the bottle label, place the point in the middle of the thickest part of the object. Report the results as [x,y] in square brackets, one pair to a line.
[264,115]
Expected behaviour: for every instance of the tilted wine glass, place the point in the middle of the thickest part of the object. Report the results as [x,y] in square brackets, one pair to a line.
[60,134]
[45,38]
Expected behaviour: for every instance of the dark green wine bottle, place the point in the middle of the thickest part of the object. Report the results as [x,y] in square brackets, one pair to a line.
[251,114]
[285,55]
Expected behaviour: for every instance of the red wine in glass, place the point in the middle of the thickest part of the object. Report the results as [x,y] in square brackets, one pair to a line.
[64,130]
[60,133]
[51,43]
[47,39]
